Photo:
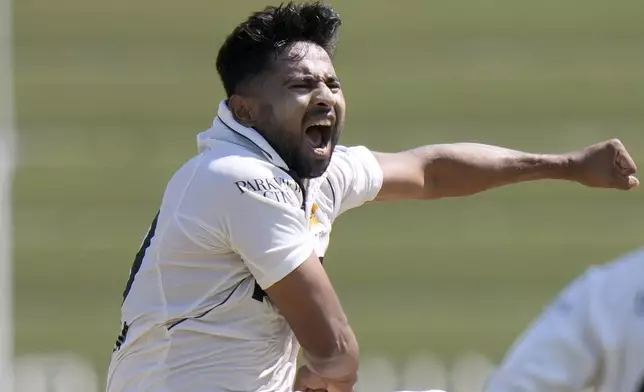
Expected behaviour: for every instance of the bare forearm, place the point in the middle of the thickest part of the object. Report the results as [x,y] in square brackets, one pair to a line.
[461,169]
[339,362]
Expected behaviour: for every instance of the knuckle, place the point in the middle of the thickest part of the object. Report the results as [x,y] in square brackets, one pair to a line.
[616,143]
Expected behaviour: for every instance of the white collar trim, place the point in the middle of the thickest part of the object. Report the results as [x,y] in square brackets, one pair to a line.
[226,121]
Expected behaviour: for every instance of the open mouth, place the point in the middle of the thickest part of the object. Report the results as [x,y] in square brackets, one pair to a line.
[319,138]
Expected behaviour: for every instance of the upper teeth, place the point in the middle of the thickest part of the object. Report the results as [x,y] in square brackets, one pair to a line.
[322,123]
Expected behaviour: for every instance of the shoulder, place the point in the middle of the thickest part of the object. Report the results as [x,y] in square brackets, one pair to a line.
[355,171]
[238,167]
[238,178]
[348,162]
[605,286]
[233,161]
[346,153]
[615,289]
[620,273]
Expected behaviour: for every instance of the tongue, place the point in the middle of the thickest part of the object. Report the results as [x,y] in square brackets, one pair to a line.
[315,137]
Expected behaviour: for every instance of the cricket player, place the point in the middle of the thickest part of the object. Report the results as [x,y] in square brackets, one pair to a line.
[229,282]
[592,336]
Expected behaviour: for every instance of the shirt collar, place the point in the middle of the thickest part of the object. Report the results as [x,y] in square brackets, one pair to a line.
[225,122]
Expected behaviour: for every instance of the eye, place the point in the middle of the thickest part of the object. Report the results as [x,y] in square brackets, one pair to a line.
[301,86]
[334,86]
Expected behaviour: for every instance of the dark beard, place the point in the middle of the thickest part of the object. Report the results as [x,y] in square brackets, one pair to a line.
[289,147]
[291,153]
[305,170]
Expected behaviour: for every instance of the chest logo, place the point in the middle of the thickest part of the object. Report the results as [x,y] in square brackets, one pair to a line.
[315,218]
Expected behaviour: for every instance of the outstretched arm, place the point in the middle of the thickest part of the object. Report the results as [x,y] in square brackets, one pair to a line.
[461,169]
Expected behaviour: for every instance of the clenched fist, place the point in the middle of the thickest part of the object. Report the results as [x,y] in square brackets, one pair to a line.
[604,165]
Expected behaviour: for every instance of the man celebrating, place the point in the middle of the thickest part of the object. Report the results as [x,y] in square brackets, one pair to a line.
[229,282]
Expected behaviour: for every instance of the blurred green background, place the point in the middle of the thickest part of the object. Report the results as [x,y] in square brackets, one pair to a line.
[110,96]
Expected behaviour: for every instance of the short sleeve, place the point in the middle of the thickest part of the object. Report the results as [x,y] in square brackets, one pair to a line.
[355,177]
[558,352]
[255,207]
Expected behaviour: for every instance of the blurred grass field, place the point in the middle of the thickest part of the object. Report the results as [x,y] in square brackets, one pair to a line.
[110,96]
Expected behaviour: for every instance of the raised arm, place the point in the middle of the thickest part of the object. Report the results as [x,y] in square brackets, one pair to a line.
[462,169]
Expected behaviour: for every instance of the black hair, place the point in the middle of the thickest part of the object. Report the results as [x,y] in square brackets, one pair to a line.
[255,44]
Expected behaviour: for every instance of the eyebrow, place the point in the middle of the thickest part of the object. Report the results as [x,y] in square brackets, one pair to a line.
[306,77]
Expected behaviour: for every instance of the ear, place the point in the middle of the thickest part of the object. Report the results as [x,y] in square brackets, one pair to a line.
[242,110]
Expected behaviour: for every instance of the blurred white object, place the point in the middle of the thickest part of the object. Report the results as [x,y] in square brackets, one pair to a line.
[470,372]
[55,372]
[421,371]
[376,374]
[7,163]
[590,336]
[429,390]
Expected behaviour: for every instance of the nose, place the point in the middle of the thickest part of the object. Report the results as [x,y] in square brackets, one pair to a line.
[324,97]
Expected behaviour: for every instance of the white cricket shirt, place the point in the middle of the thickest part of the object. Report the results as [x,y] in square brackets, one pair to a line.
[592,336]
[231,223]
